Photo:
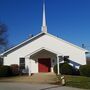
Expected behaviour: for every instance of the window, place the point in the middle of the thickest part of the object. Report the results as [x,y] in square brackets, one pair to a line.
[22,63]
[1,61]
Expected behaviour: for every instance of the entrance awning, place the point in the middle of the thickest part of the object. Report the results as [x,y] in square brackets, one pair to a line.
[44,48]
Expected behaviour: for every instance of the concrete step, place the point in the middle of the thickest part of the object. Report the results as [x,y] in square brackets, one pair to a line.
[39,78]
[43,78]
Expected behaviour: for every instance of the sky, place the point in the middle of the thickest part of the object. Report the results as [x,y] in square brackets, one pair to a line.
[67,19]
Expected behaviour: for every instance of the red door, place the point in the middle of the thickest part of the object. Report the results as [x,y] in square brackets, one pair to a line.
[44,64]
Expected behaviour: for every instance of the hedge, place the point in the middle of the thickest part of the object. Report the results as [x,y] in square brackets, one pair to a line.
[66,69]
[15,69]
[5,71]
[85,70]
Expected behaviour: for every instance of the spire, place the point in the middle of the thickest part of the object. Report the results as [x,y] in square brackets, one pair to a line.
[44,26]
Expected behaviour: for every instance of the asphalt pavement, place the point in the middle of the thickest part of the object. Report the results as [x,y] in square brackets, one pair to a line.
[28,86]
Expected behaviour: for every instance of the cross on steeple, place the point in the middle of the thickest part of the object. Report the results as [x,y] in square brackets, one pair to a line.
[44,26]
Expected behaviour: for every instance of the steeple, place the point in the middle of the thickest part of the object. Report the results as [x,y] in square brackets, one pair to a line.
[44,26]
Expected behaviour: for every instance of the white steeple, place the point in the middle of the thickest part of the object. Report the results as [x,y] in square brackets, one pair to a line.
[44,26]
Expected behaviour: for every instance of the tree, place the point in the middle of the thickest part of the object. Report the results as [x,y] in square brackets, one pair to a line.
[3,37]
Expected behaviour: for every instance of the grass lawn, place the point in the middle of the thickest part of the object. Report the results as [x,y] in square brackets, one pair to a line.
[77,81]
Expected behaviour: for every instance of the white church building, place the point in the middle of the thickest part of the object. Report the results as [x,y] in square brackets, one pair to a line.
[41,52]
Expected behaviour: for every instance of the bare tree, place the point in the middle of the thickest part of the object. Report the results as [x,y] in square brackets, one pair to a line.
[3,37]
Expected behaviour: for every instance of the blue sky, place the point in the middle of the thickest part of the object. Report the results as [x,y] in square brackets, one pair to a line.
[68,19]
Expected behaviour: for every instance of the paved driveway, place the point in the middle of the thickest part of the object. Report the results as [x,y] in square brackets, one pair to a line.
[27,86]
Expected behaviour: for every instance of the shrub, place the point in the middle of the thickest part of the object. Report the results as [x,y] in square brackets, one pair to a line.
[5,71]
[14,69]
[85,70]
[76,71]
[66,69]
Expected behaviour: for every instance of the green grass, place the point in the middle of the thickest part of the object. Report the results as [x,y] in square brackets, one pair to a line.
[77,81]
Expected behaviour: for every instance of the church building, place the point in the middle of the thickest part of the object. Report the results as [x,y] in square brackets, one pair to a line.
[41,52]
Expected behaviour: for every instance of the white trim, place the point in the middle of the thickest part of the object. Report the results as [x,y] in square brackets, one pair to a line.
[58,65]
[44,48]
[29,67]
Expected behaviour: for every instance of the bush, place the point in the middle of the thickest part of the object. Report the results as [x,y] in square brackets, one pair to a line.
[85,70]
[66,69]
[5,71]
[14,69]
[76,71]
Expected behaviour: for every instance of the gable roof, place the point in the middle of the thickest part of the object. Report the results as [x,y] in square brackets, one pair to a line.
[22,44]
[37,36]
[68,43]
[46,49]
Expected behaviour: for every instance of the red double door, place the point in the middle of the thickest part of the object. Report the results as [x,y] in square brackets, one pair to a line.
[44,64]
